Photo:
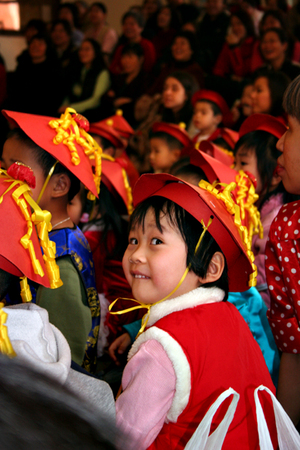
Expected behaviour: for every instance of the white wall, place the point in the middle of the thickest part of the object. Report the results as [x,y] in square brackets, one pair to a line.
[10,48]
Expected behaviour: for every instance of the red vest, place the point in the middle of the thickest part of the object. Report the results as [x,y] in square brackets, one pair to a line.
[221,353]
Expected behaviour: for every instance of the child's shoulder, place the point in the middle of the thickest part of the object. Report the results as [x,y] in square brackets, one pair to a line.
[286,224]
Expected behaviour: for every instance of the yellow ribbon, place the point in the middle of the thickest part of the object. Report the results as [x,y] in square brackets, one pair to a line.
[46,182]
[149,306]
[5,345]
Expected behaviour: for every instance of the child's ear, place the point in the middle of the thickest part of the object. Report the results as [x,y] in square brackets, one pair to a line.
[176,154]
[218,119]
[215,268]
[61,184]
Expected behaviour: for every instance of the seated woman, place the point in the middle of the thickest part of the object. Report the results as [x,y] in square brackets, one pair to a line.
[167,23]
[132,27]
[61,38]
[128,86]
[274,51]
[89,80]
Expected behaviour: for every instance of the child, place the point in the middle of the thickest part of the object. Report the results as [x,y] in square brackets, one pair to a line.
[210,110]
[256,153]
[185,248]
[166,144]
[40,143]
[282,261]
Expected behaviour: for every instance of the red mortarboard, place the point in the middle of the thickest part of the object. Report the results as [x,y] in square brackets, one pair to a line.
[38,129]
[263,122]
[20,249]
[229,136]
[105,129]
[202,204]
[176,131]
[121,125]
[216,152]
[216,98]
[114,177]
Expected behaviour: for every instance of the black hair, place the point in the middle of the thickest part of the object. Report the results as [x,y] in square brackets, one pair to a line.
[190,37]
[291,99]
[38,24]
[190,230]
[65,24]
[188,172]
[136,16]
[282,35]
[246,20]
[278,83]
[101,6]
[277,14]
[73,9]
[171,141]
[133,48]
[175,21]
[214,106]
[45,160]
[98,62]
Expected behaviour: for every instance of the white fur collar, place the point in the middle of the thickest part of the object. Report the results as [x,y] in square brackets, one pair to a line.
[199,296]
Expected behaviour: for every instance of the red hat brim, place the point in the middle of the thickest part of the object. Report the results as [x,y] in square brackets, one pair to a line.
[112,177]
[216,98]
[213,169]
[121,125]
[108,132]
[263,122]
[217,153]
[38,130]
[173,130]
[202,205]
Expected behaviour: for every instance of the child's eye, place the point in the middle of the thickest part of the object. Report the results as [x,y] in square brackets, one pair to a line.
[132,241]
[156,241]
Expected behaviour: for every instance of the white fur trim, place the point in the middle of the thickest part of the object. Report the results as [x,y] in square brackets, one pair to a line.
[180,364]
[199,296]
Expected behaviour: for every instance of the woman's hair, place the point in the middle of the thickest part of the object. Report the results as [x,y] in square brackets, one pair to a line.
[136,16]
[38,24]
[65,24]
[175,21]
[45,160]
[101,6]
[282,35]
[73,10]
[133,48]
[246,20]
[277,82]
[291,99]
[277,14]
[190,230]
[98,62]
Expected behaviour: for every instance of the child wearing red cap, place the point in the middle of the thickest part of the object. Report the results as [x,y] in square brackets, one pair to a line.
[282,261]
[184,254]
[166,144]
[210,110]
[57,151]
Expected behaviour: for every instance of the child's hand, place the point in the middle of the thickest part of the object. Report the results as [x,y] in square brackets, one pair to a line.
[119,346]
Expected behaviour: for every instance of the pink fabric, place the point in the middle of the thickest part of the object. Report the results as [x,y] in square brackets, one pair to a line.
[150,363]
[236,60]
[283,276]
[268,213]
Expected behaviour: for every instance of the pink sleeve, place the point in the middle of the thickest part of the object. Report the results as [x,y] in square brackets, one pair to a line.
[149,387]
[109,41]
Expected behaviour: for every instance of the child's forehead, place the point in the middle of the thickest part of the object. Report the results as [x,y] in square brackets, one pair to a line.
[203,104]
[153,220]
[243,150]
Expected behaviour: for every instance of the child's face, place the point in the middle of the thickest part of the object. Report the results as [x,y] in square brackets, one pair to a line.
[289,161]
[13,151]
[155,261]
[261,96]
[245,159]
[161,156]
[246,101]
[204,118]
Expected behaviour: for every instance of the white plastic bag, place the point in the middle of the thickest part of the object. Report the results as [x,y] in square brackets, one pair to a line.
[200,439]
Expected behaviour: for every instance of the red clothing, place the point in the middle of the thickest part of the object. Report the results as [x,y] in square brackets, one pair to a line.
[282,271]
[235,60]
[131,171]
[222,356]
[149,57]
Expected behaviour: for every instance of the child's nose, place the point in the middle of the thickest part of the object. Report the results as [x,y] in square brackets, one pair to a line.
[137,256]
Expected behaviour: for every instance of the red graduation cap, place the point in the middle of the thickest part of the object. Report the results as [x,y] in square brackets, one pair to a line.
[23,232]
[176,131]
[202,203]
[222,155]
[105,129]
[66,139]
[263,122]
[121,125]
[216,98]
[115,179]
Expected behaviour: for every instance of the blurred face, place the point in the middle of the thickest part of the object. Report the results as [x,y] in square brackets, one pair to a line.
[86,53]
[161,157]
[164,18]
[204,118]
[289,161]
[29,33]
[246,100]
[96,15]
[146,261]
[238,28]
[37,50]
[67,15]
[272,48]
[181,49]
[131,29]
[245,159]
[173,96]
[261,96]
[131,63]
[271,22]
[214,7]
[59,36]
[150,7]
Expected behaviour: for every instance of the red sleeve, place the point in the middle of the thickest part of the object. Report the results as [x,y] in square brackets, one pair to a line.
[222,67]
[149,54]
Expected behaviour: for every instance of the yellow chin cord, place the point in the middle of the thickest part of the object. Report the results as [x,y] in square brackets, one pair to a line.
[46,182]
[148,306]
